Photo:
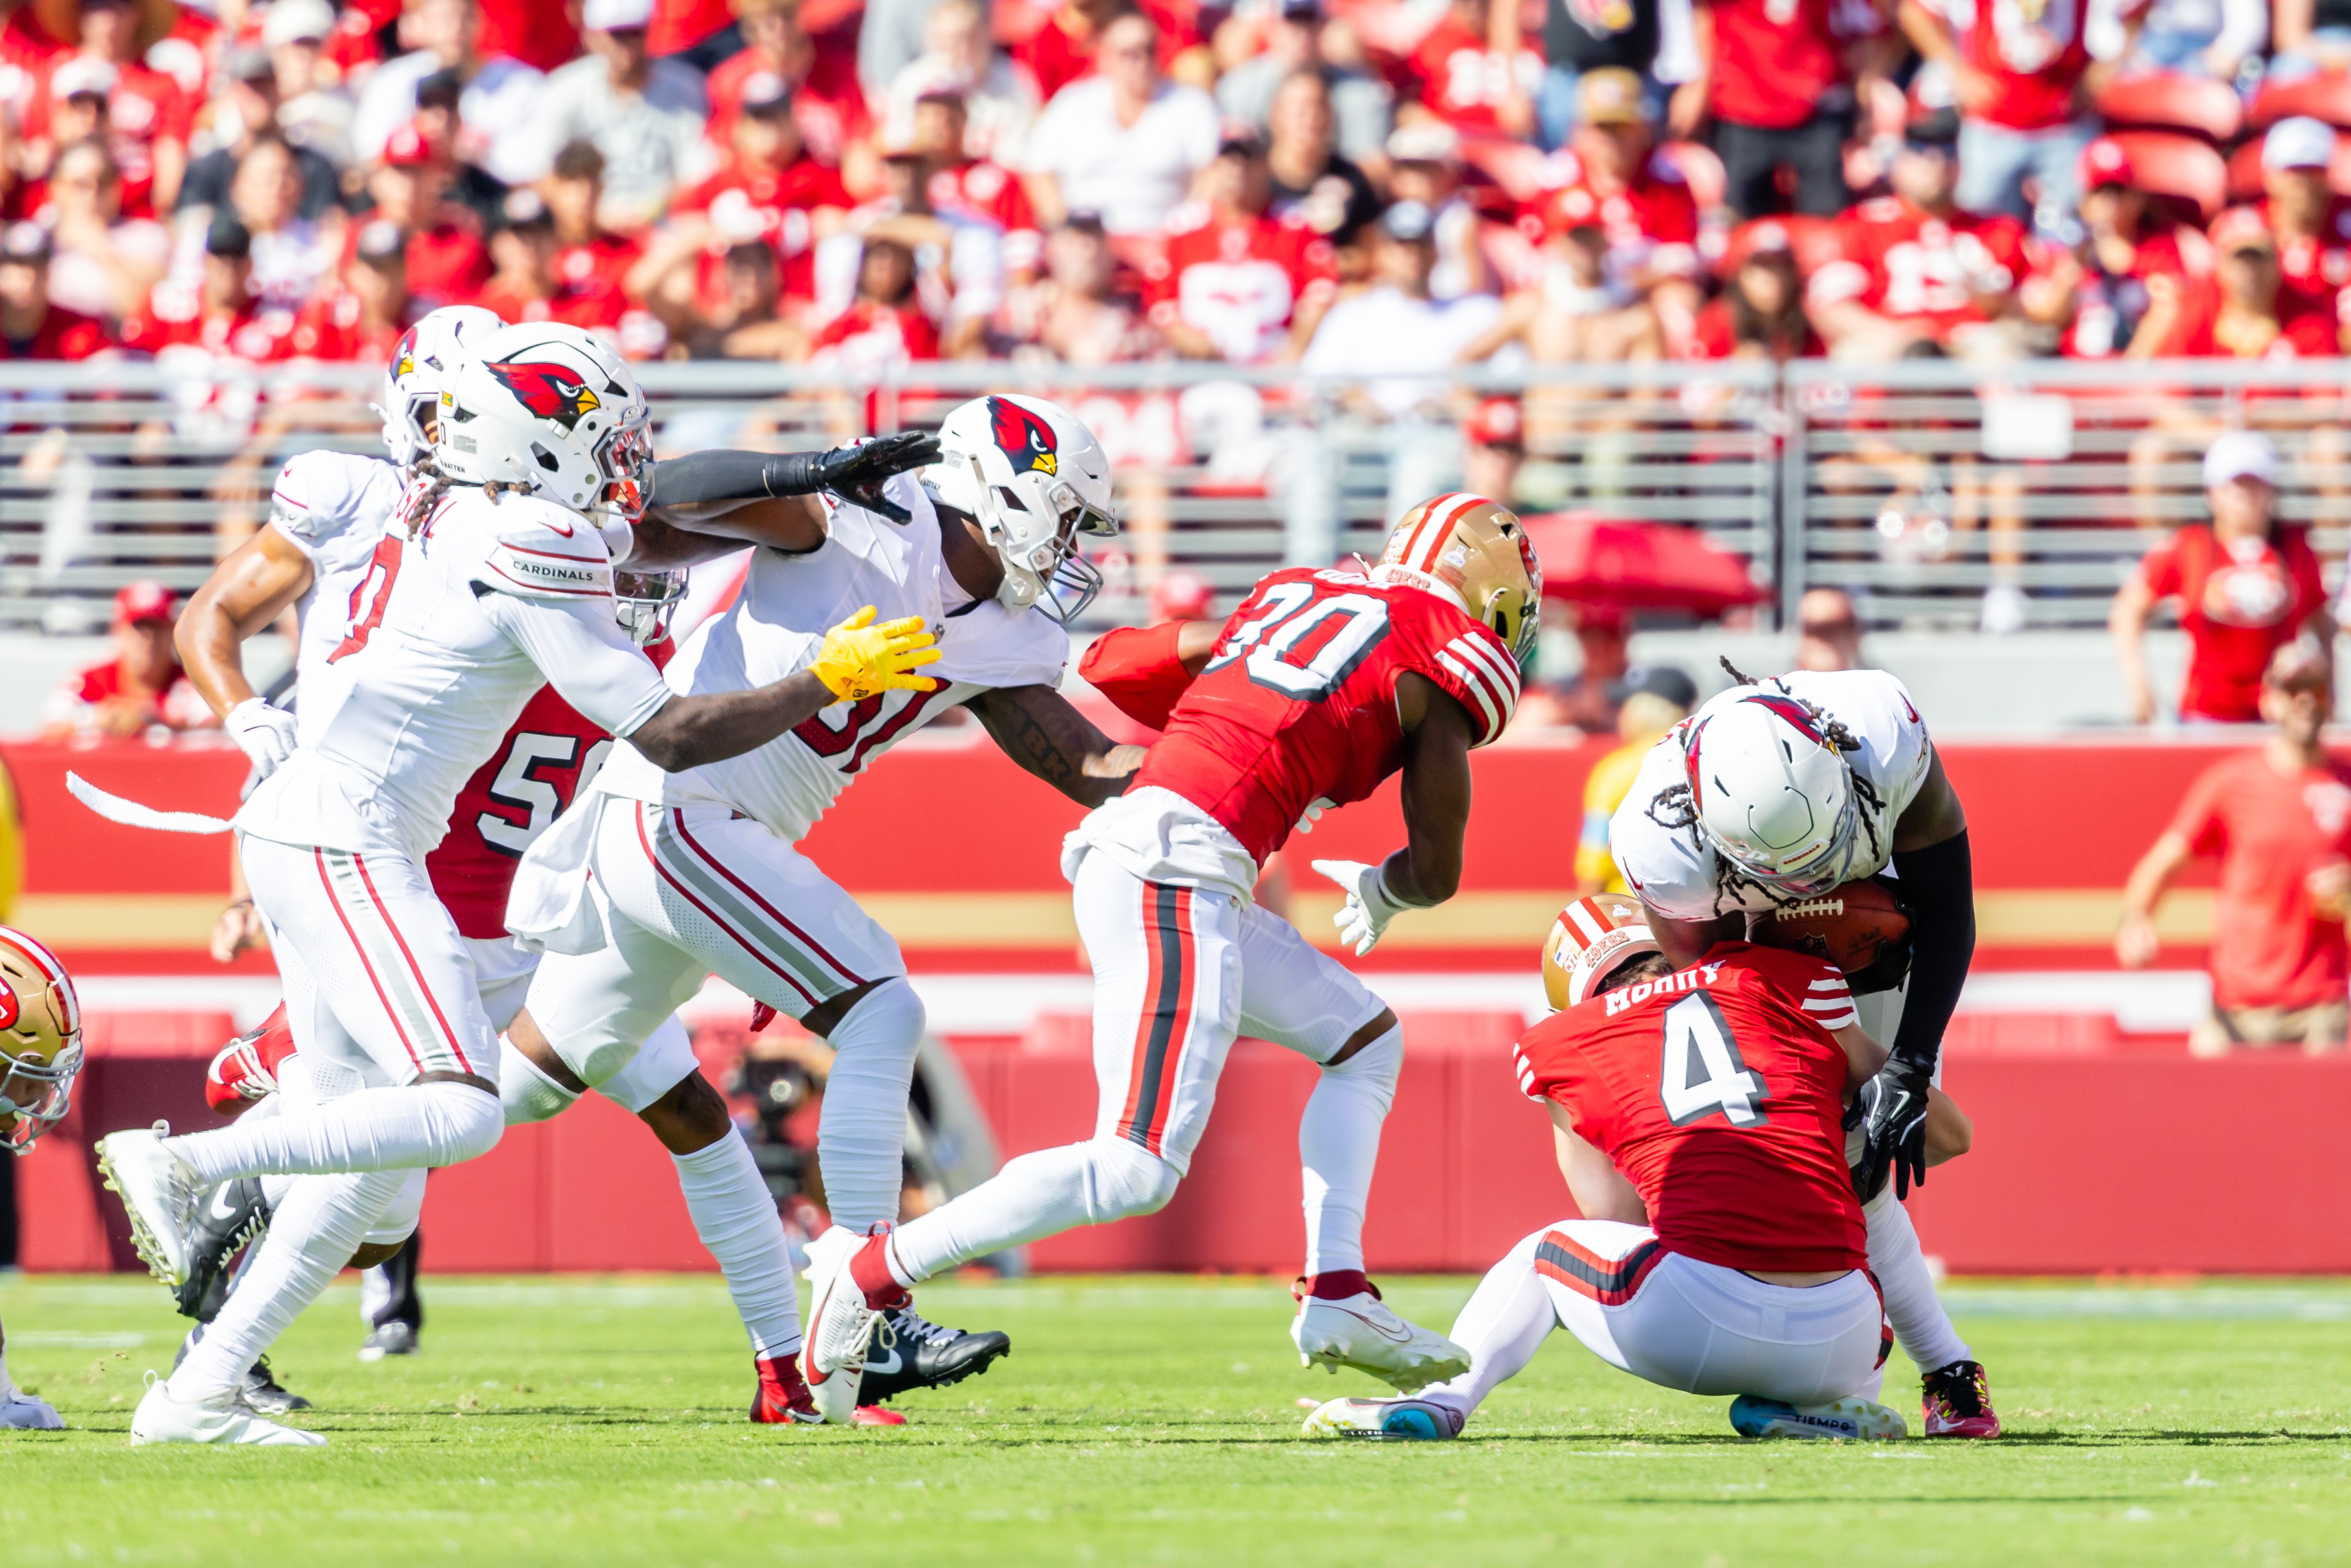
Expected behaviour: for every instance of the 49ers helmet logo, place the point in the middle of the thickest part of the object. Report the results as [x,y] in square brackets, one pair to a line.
[549,391]
[1023,437]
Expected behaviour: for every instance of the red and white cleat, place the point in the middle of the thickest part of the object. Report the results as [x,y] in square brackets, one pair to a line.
[245,1069]
[783,1399]
[875,1415]
[1958,1401]
[841,1316]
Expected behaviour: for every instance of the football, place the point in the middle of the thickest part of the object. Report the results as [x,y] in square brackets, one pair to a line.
[1849,926]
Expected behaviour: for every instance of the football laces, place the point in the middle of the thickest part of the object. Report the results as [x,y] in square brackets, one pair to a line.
[1810,909]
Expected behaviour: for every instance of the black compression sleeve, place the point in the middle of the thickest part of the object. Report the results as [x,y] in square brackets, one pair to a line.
[1938,884]
[701,478]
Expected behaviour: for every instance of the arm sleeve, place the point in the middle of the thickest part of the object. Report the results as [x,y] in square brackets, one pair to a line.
[586,657]
[1939,884]
[1136,668]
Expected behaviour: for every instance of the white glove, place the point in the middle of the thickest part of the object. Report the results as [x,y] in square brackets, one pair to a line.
[1364,917]
[265,733]
[1313,814]
[27,1414]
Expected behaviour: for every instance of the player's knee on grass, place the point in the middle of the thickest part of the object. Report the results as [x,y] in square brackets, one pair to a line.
[1949,1134]
[690,1117]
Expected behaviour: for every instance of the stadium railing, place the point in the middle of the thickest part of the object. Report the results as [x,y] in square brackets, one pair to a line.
[1916,486]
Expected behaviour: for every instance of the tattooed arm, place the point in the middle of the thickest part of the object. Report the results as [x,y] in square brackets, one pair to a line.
[1037,728]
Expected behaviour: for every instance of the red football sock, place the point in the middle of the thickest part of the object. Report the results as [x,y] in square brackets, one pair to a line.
[1338,1284]
[782,1389]
[870,1269]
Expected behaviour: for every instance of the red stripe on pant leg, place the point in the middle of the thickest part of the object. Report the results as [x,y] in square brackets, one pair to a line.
[383,910]
[1884,1323]
[1146,1015]
[1611,1281]
[777,915]
[336,903]
[711,915]
[1179,1042]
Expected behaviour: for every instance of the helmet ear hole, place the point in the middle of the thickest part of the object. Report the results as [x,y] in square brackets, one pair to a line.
[546,459]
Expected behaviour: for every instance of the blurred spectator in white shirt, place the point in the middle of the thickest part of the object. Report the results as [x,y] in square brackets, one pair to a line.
[960,56]
[101,264]
[2201,38]
[1124,143]
[497,109]
[1361,103]
[290,253]
[646,115]
[1395,340]
[1425,161]
[314,110]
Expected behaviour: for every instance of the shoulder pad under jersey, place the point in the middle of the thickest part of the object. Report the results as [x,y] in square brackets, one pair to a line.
[537,549]
[319,496]
[1471,665]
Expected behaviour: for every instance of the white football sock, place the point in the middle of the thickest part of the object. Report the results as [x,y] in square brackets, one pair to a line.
[735,1215]
[421,1124]
[1921,1327]
[7,1384]
[321,1224]
[525,1090]
[1338,1145]
[861,1130]
[1505,1322]
[1040,1194]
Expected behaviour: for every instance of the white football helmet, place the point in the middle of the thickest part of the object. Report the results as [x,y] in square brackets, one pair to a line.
[552,410]
[1034,478]
[422,364]
[645,600]
[1772,793]
[40,1041]
[1591,940]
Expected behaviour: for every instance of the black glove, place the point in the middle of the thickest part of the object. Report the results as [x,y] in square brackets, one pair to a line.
[1894,1113]
[855,474]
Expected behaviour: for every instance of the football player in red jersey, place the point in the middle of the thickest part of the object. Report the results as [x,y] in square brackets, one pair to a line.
[1319,687]
[1699,1116]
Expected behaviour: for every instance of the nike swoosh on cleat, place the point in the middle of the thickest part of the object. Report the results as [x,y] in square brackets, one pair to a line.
[223,1208]
[1381,1329]
[895,1363]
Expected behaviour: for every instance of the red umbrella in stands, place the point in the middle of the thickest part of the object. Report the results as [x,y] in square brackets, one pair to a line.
[1595,561]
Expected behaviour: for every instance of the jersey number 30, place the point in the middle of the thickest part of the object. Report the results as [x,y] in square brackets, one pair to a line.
[1353,624]
[1703,1073]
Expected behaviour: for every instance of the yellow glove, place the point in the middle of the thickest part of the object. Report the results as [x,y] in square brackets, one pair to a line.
[861,660]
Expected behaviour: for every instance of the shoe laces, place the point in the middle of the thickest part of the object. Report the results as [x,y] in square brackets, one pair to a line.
[262,1378]
[906,1324]
[1957,1389]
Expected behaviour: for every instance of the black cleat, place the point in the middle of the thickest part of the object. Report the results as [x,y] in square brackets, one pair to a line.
[263,1395]
[228,1218]
[910,1352]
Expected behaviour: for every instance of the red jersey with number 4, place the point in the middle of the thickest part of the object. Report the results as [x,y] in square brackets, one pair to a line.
[1719,1092]
[1297,701]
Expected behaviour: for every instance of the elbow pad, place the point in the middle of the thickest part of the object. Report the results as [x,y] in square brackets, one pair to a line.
[1938,884]
[1136,667]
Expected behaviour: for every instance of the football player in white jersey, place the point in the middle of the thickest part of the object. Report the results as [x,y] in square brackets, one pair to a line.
[40,1051]
[660,878]
[504,585]
[1778,790]
[329,535]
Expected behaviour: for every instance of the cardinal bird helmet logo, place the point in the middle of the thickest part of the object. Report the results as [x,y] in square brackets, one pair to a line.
[549,391]
[1023,437]
[403,357]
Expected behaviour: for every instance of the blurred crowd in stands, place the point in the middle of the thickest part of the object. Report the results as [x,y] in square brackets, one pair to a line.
[1352,185]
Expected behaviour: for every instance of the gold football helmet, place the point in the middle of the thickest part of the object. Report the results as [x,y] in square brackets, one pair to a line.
[1475,552]
[1591,940]
[40,1041]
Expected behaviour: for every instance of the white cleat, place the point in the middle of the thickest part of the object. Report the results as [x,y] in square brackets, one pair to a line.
[161,1418]
[1853,1420]
[1360,1332]
[1392,1420]
[21,1412]
[839,1328]
[159,1191]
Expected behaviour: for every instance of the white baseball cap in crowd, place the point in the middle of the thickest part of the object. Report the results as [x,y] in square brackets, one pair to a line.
[615,15]
[2239,455]
[296,22]
[2299,142]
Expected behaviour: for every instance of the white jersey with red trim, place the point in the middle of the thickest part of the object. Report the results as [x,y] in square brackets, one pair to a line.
[1674,870]
[335,507]
[454,634]
[776,628]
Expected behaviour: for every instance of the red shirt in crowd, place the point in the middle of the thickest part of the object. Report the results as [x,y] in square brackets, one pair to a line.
[871,334]
[1903,262]
[1651,224]
[178,705]
[2031,52]
[1719,1090]
[2272,830]
[2238,604]
[1773,59]
[1240,282]
[447,258]
[2313,272]
[2168,250]
[145,106]
[770,205]
[829,107]
[605,260]
[2303,334]
[1716,335]
[681,24]
[330,325]
[589,305]
[62,335]
[256,335]
[984,189]
[1464,83]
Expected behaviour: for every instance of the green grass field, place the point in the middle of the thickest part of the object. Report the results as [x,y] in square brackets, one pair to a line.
[1154,1419]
